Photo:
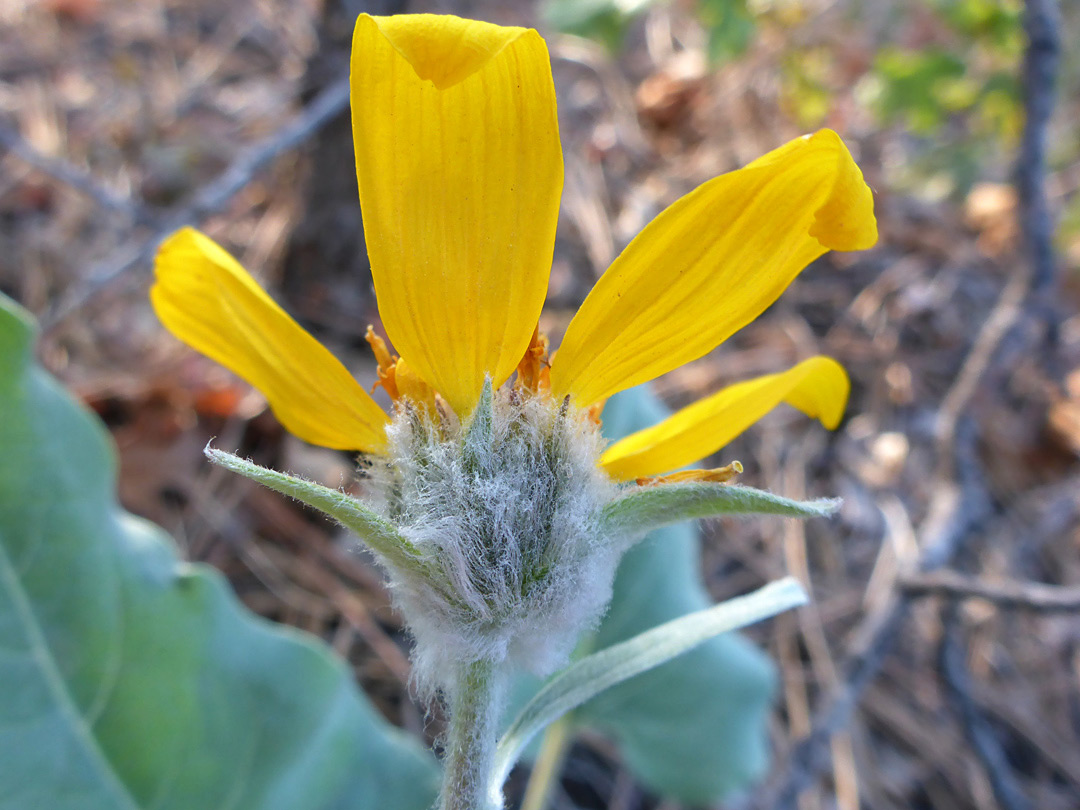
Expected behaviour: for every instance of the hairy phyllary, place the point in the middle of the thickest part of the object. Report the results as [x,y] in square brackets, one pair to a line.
[503,511]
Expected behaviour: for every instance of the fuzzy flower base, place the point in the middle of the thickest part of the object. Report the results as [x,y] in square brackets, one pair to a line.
[503,515]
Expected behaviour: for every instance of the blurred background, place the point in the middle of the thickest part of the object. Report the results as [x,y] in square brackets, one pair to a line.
[938,664]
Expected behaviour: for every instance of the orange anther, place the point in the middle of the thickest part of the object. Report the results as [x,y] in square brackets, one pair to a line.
[378,345]
[387,364]
[534,369]
[594,411]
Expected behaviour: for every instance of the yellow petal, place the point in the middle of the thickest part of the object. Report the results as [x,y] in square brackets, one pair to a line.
[413,388]
[460,172]
[711,263]
[205,298]
[818,387]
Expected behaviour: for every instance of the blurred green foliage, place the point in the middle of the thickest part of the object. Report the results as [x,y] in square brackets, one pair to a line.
[730,27]
[942,75]
[729,24]
[605,21]
[954,86]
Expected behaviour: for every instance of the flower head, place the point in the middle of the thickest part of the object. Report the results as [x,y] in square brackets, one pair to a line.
[460,173]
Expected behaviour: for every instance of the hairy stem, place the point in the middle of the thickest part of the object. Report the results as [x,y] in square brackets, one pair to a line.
[470,741]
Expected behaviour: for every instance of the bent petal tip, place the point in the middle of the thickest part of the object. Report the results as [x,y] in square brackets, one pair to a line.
[846,220]
[712,262]
[818,386]
[459,169]
[442,48]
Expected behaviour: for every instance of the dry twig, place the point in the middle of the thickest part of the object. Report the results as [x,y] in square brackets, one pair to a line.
[978,730]
[212,198]
[74,177]
[1042,23]
[1023,595]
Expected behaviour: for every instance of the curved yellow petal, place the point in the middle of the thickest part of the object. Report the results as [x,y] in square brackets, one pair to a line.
[460,173]
[711,263]
[818,387]
[205,298]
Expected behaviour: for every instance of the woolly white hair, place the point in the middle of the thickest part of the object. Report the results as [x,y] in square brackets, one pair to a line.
[504,513]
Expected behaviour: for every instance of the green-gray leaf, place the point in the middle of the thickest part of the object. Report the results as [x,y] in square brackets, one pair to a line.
[595,673]
[129,679]
[374,531]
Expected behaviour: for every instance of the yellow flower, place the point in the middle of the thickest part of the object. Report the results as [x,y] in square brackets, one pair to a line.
[460,173]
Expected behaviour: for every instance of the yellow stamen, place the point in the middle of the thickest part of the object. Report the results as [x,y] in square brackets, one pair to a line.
[534,370]
[378,345]
[717,475]
[387,364]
